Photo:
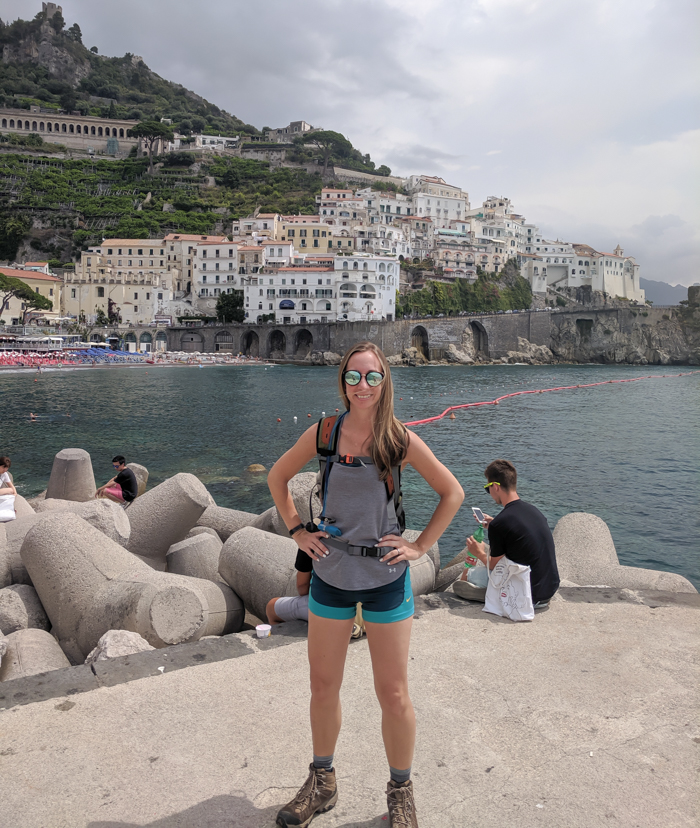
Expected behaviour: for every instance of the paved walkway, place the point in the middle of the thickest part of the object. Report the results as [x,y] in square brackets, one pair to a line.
[586,717]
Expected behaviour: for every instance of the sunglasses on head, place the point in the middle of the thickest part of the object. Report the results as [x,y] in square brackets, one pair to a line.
[373,378]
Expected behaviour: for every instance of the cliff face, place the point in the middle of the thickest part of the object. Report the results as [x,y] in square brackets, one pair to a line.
[43,47]
[638,337]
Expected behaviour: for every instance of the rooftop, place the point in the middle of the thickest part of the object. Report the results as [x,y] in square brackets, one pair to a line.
[34,275]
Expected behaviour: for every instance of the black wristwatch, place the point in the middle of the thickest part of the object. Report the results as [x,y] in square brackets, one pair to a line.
[293,531]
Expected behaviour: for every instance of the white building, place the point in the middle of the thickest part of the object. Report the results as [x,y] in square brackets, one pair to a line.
[433,197]
[293,295]
[214,271]
[285,135]
[366,287]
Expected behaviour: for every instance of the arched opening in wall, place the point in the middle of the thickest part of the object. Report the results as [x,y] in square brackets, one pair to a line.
[26,124]
[4,123]
[191,342]
[121,133]
[130,342]
[481,338]
[92,130]
[146,342]
[223,341]
[12,123]
[419,340]
[64,128]
[276,345]
[161,341]
[71,128]
[42,127]
[303,343]
[96,338]
[99,131]
[584,328]
[250,344]
[56,128]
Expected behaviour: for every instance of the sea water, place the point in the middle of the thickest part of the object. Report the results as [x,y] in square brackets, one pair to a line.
[627,452]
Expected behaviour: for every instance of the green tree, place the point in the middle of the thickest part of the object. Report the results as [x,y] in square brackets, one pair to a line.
[329,144]
[58,22]
[229,307]
[11,288]
[93,49]
[13,229]
[151,132]
[75,34]
[112,110]
[383,170]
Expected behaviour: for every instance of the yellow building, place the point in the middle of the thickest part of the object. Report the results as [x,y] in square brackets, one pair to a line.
[43,283]
[132,273]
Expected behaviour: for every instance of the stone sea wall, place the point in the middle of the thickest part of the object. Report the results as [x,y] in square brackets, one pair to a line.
[639,336]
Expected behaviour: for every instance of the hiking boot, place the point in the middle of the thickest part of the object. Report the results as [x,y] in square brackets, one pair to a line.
[402,808]
[318,794]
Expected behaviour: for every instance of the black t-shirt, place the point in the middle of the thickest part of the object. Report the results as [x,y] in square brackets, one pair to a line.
[521,533]
[303,562]
[127,480]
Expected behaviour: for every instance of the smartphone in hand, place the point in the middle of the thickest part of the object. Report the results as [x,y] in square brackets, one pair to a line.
[478,514]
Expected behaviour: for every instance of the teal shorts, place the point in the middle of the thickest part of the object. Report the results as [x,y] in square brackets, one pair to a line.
[381,605]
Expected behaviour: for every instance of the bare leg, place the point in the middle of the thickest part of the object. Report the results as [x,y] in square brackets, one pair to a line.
[112,498]
[328,646]
[388,647]
[272,617]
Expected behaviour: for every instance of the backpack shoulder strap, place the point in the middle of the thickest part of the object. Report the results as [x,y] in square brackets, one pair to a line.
[324,434]
[393,491]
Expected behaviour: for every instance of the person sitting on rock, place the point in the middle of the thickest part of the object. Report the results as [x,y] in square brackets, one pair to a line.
[520,532]
[7,492]
[295,608]
[122,488]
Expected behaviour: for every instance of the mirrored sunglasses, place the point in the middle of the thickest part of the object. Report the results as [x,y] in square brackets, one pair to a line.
[373,378]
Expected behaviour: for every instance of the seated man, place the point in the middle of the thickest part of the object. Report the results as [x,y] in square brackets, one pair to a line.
[122,488]
[520,532]
[295,608]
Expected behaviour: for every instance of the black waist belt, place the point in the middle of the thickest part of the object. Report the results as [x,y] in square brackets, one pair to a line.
[364,551]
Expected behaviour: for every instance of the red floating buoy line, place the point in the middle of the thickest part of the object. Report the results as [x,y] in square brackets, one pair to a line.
[542,391]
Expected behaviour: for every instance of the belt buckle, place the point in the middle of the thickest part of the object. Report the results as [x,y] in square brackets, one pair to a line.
[363,551]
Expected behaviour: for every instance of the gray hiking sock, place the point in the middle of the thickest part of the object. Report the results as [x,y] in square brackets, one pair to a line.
[399,776]
[325,762]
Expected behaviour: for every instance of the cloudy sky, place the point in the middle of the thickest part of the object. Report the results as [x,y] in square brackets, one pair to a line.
[585,114]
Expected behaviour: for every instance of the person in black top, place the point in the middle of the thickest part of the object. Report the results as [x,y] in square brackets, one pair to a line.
[520,532]
[122,488]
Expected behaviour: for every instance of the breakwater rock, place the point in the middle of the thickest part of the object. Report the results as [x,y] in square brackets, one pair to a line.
[89,580]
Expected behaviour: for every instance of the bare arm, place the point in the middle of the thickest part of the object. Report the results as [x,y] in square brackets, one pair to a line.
[8,489]
[303,582]
[289,464]
[445,484]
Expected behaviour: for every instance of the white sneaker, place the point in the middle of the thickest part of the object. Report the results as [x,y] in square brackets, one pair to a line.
[468,591]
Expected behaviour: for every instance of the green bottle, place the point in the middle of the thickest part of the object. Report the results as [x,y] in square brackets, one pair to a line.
[478,537]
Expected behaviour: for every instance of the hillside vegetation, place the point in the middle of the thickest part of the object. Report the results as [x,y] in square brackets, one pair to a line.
[491,292]
[59,207]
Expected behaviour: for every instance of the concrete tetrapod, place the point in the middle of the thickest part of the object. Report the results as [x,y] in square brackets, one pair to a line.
[258,566]
[15,532]
[103,514]
[165,515]
[225,521]
[586,556]
[30,652]
[88,585]
[197,557]
[141,475]
[423,570]
[5,560]
[72,477]
[22,507]
[21,609]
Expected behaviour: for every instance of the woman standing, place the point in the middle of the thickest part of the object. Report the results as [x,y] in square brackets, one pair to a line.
[363,558]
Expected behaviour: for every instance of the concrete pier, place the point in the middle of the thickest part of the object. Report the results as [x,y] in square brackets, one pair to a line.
[585,717]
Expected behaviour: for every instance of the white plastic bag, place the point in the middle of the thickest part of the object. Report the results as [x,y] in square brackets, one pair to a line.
[508,593]
[7,508]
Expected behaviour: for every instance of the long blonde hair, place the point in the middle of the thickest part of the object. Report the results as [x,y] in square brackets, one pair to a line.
[389,435]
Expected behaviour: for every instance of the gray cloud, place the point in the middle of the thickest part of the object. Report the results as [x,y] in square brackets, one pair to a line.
[583,113]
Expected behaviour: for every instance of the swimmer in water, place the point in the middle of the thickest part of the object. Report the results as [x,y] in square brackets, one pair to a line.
[32,417]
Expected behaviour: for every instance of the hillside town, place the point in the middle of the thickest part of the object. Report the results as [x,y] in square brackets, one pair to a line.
[341,264]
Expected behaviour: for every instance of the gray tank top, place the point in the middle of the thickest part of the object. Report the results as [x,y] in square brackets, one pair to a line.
[358,501]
